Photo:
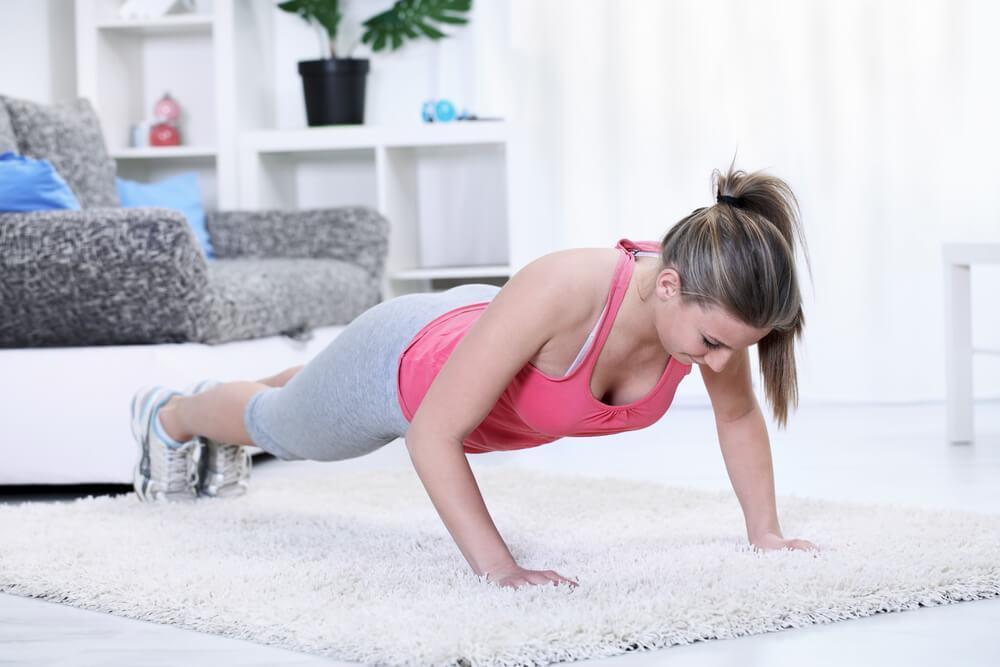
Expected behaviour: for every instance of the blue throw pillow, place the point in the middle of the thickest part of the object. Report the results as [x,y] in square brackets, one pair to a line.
[27,184]
[181,192]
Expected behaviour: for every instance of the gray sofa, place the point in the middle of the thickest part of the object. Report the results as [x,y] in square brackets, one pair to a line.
[108,275]
[97,302]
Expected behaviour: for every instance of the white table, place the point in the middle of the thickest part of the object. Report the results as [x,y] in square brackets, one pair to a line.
[958,260]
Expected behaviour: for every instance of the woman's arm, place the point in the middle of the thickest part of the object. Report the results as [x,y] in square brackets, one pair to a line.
[746,450]
[747,453]
[446,475]
[441,464]
[525,314]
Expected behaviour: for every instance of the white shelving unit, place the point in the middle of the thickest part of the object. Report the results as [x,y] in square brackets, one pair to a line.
[443,187]
[167,24]
[124,66]
[164,152]
[392,169]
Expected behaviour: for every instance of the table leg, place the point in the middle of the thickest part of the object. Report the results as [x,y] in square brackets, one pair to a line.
[958,353]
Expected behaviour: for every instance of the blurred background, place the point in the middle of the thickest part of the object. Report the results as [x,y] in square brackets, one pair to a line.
[880,115]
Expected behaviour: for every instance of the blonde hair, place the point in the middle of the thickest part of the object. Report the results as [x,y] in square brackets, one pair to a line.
[740,256]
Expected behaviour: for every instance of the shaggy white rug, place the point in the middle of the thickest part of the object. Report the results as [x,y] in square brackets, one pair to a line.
[358,566]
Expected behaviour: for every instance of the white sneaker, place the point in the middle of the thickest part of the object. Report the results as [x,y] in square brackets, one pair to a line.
[224,470]
[166,471]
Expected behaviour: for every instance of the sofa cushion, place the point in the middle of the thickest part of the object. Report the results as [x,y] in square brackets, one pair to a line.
[114,276]
[67,134]
[27,184]
[8,142]
[181,192]
[249,298]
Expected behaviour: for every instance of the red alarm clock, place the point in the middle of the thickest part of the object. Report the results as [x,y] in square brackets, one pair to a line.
[164,134]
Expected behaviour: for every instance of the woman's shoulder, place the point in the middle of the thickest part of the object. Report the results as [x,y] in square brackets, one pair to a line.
[585,265]
[579,277]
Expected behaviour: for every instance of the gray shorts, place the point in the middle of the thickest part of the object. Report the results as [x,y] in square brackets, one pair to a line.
[344,403]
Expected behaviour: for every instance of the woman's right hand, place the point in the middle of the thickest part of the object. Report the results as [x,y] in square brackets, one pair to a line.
[516,576]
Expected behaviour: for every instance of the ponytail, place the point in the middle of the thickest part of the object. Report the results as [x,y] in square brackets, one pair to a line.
[739,255]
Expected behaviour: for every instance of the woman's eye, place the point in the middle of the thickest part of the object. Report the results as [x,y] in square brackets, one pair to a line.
[710,343]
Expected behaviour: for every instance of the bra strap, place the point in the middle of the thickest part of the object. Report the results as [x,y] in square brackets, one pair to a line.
[642,247]
[623,272]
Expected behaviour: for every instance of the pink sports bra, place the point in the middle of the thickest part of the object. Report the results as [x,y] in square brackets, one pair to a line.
[536,408]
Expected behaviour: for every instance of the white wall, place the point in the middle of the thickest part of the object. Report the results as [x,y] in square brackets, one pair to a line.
[37,50]
[880,114]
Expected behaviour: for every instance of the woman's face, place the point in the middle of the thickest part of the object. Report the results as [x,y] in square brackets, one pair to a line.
[691,334]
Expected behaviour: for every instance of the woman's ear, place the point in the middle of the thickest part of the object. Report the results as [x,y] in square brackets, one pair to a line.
[668,283]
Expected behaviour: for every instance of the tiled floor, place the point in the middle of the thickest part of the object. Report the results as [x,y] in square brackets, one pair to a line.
[863,453]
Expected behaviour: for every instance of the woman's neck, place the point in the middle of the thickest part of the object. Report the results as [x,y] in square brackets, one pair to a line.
[639,303]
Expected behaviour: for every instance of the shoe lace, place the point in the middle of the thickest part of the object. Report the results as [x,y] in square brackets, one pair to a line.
[235,462]
[180,467]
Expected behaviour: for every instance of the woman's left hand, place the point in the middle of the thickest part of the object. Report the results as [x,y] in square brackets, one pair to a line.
[771,542]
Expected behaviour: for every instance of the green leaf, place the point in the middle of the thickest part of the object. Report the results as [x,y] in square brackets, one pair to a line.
[410,19]
[431,32]
[454,20]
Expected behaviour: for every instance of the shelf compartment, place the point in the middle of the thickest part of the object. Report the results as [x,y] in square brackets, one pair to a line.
[136,72]
[310,180]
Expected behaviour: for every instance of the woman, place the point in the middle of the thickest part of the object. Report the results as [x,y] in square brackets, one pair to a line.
[477,368]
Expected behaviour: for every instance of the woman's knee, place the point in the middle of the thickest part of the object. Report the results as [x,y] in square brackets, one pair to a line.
[282,378]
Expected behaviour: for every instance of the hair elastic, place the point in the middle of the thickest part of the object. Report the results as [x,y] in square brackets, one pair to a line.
[732,201]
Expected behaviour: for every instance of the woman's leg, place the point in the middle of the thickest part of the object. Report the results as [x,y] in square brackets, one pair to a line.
[218,412]
[282,378]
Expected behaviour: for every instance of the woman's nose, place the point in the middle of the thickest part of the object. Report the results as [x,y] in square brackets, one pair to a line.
[717,359]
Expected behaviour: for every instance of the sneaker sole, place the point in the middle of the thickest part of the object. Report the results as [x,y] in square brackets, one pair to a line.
[141,414]
[140,478]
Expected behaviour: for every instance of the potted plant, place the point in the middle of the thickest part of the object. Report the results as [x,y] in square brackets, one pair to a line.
[335,87]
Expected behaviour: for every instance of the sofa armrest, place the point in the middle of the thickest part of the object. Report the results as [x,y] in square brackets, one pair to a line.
[354,234]
[100,276]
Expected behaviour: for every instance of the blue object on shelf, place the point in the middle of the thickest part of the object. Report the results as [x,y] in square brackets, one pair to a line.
[427,111]
[439,111]
[444,111]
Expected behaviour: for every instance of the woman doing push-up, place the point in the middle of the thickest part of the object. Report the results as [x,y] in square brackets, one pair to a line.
[579,342]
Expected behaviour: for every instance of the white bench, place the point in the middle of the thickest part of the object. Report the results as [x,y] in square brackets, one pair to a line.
[958,258]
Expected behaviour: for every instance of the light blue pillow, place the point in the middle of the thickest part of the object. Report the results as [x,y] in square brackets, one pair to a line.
[27,184]
[181,192]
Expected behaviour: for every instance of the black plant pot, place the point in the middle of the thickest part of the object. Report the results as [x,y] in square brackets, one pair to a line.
[335,90]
